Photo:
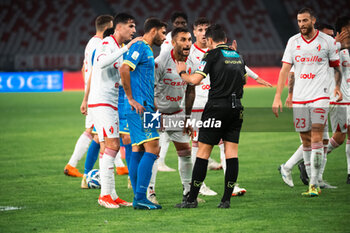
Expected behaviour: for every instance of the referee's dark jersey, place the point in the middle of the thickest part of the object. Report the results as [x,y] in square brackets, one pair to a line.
[227,73]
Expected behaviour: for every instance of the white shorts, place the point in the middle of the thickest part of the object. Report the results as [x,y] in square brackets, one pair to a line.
[196,114]
[176,136]
[310,113]
[106,122]
[88,120]
[338,115]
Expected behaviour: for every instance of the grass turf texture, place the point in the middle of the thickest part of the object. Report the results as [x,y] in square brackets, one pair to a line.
[39,132]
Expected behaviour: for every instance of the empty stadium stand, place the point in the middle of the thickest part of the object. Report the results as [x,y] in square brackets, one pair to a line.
[52,34]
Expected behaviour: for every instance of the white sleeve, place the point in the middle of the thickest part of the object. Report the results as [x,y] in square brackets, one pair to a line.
[333,52]
[105,57]
[158,71]
[251,73]
[287,56]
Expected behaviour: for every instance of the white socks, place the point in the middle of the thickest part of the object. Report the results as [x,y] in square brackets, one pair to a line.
[152,182]
[185,170]
[107,173]
[80,149]
[164,141]
[118,162]
[222,156]
[307,157]
[316,161]
[194,153]
[347,150]
[294,159]
[332,145]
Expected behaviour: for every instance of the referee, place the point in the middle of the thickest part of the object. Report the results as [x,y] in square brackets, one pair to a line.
[227,77]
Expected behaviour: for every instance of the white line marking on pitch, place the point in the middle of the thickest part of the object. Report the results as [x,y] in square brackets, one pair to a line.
[7,208]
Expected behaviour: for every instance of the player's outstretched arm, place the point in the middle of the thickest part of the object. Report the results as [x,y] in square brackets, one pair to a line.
[83,106]
[256,77]
[105,58]
[194,79]
[277,103]
[125,77]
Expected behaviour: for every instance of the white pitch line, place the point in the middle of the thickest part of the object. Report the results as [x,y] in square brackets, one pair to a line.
[7,208]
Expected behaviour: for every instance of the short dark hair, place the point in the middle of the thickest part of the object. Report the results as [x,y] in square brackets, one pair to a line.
[153,23]
[108,32]
[306,10]
[341,22]
[178,30]
[216,32]
[123,18]
[102,21]
[178,14]
[201,21]
[322,26]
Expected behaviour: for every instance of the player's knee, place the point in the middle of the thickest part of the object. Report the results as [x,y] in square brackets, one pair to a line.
[112,143]
[339,137]
[88,130]
[184,152]
[126,139]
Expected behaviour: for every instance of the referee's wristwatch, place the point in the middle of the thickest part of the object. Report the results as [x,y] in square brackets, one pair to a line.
[182,72]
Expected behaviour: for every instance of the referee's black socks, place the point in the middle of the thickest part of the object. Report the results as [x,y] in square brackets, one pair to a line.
[230,178]
[198,176]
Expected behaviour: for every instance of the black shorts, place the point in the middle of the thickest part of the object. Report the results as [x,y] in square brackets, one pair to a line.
[231,123]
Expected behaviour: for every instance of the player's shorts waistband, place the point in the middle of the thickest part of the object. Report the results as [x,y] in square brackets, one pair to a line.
[172,112]
[102,105]
[310,101]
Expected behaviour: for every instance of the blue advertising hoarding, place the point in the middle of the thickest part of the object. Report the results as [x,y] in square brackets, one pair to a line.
[45,81]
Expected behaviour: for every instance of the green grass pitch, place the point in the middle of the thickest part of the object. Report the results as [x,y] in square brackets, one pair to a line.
[39,132]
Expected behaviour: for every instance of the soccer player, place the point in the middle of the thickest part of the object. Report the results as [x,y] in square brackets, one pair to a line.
[312,53]
[170,93]
[297,157]
[137,74]
[198,49]
[340,111]
[103,103]
[178,19]
[102,22]
[227,77]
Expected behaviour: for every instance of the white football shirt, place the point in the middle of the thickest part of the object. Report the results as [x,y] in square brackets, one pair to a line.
[89,54]
[170,88]
[311,60]
[166,46]
[345,82]
[105,77]
[202,90]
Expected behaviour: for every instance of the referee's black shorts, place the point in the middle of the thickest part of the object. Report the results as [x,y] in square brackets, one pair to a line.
[231,122]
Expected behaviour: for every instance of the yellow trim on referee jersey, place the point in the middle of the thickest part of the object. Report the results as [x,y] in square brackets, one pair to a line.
[245,75]
[147,140]
[200,72]
[121,132]
[129,63]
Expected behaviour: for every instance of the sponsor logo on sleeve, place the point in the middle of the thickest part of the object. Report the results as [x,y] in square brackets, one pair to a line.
[201,66]
[135,55]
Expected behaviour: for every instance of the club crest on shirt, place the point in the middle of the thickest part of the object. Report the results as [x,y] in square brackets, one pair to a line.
[318,47]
